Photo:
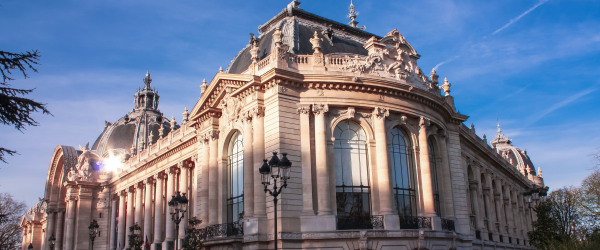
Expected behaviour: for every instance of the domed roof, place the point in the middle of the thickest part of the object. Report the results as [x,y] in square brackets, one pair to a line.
[298,26]
[138,129]
[515,156]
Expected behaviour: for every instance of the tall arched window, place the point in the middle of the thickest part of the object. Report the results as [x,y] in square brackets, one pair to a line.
[352,177]
[434,177]
[235,197]
[403,173]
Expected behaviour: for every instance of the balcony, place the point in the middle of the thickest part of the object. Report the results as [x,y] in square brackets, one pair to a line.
[415,222]
[222,230]
[360,222]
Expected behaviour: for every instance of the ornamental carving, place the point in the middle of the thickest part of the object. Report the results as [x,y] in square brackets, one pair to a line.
[320,109]
[87,166]
[304,109]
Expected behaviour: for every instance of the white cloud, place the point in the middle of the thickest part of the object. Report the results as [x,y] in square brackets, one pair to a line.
[514,20]
[560,104]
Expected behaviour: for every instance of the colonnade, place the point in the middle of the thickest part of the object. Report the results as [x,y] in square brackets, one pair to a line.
[498,210]
[145,203]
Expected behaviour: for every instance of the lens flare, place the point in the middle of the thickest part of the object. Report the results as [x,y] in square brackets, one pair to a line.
[113,162]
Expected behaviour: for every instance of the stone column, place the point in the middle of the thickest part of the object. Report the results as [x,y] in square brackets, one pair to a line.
[426,185]
[445,184]
[170,225]
[307,193]
[113,221]
[159,215]
[70,220]
[391,221]
[129,215]
[213,182]
[258,150]
[323,193]
[50,226]
[248,167]
[138,205]
[204,180]
[60,221]
[183,188]
[148,210]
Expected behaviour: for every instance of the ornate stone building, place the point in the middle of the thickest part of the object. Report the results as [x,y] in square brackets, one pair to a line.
[381,158]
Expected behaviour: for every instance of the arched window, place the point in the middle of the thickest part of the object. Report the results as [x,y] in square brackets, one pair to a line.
[403,173]
[434,177]
[235,197]
[352,177]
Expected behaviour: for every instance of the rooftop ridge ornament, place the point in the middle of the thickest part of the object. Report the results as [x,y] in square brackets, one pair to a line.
[147,80]
[352,15]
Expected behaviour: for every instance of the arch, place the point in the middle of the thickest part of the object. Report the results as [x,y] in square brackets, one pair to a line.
[63,159]
[403,171]
[235,177]
[364,124]
[352,180]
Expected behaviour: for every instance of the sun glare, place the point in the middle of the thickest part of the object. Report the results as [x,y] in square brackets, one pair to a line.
[113,162]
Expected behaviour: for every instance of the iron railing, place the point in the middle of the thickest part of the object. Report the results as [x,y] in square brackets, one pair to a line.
[448,225]
[415,222]
[222,230]
[359,222]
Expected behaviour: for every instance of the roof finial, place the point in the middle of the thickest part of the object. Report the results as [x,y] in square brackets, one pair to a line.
[352,15]
[499,130]
[147,80]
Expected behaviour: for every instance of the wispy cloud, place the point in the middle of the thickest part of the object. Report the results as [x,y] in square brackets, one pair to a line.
[444,62]
[561,104]
[514,20]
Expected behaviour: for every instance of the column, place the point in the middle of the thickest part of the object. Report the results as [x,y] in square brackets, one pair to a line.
[213,175]
[148,210]
[323,193]
[391,221]
[159,215]
[204,181]
[113,221]
[426,184]
[60,221]
[138,204]
[258,150]
[183,188]
[307,191]
[248,168]
[129,215]
[170,225]
[70,221]
[50,226]
[446,190]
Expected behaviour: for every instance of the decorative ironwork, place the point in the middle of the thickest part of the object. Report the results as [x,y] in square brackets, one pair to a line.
[377,222]
[354,222]
[415,222]
[448,225]
[491,236]
[478,234]
[222,230]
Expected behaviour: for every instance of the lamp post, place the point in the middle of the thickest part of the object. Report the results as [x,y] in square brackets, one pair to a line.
[94,231]
[178,207]
[275,169]
[52,241]
[533,196]
[30,246]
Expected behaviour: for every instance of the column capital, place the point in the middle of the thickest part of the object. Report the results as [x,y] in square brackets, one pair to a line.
[173,170]
[303,109]
[160,175]
[258,112]
[150,180]
[115,196]
[381,113]
[131,188]
[124,193]
[202,138]
[140,185]
[320,108]
[187,164]
[212,135]
[424,122]
[246,117]
[194,158]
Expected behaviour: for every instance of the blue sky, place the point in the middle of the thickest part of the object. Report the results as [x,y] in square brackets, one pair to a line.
[533,66]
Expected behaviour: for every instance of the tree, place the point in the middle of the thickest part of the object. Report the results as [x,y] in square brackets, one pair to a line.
[590,201]
[193,237]
[566,210]
[15,109]
[545,228]
[10,218]
[135,237]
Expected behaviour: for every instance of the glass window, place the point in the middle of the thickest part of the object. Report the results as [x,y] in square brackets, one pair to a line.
[403,173]
[353,194]
[235,199]
[434,177]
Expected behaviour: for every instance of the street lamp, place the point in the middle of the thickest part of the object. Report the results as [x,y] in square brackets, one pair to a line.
[275,169]
[30,246]
[52,241]
[178,206]
[94,231]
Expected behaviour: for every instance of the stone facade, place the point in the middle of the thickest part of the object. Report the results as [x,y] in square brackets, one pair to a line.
[381,158]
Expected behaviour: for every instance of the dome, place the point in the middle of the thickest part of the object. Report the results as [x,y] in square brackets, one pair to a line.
[516,157]
[138,129]
[298,27]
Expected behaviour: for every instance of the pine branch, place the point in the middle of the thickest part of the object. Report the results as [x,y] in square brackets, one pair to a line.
[7,151]
[19,61]
[16,110]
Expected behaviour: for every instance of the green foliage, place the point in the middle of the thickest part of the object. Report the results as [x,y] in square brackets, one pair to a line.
[15,109]
[545,228]
[135,237]
[193,237]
